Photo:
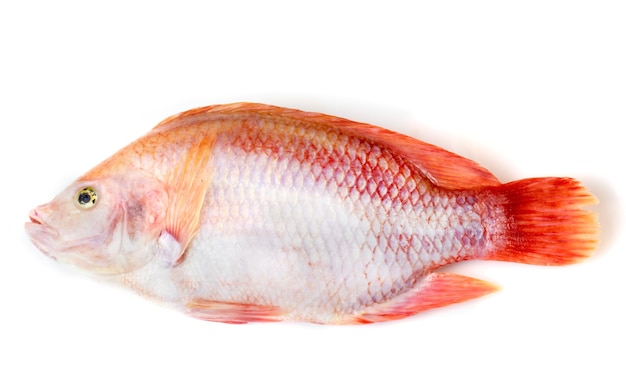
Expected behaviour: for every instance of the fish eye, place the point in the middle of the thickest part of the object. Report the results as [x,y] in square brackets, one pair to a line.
[86,198]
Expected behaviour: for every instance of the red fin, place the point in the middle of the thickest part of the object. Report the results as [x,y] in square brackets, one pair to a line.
[437,290]
[445,168]
[546,224]
[187,187]
[233,313]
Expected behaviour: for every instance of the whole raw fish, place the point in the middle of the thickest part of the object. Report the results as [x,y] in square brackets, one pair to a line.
[248,212]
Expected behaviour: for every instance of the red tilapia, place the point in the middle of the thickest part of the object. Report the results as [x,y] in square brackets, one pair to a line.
[248,212]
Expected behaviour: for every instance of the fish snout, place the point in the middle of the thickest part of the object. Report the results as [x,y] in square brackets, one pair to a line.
[35,216]
[38,228]
[42,215]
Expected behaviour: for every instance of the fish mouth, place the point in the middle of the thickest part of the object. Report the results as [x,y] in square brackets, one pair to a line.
[41,234]
[34,217]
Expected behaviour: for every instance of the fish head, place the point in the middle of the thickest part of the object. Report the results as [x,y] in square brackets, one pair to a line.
[105,225]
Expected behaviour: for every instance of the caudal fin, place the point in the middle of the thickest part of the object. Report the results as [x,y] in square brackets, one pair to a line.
[546,223]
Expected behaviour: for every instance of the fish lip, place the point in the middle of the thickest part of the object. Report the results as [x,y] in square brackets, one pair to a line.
[38,224]
[34,218]
[36,227]
[40,233]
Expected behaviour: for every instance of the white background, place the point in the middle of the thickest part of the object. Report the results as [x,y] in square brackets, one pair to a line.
[532,88]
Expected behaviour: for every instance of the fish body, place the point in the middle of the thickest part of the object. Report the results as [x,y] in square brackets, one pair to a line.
[247,212]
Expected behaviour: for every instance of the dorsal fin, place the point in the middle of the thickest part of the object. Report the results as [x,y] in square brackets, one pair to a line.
[445,168]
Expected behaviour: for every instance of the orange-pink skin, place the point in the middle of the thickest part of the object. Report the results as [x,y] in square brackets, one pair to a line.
[255,213]
[358,173]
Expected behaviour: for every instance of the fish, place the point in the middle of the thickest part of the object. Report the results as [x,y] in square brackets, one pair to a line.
[248,212]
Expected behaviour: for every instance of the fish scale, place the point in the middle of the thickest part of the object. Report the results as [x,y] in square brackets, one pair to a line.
[292,209]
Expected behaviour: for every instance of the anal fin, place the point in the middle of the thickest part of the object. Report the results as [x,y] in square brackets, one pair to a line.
[437,290]
[233,313]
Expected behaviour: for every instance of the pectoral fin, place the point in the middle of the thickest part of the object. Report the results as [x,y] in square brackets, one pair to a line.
[187,186]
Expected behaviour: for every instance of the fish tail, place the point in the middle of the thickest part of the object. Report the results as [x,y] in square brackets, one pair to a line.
[545,222]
